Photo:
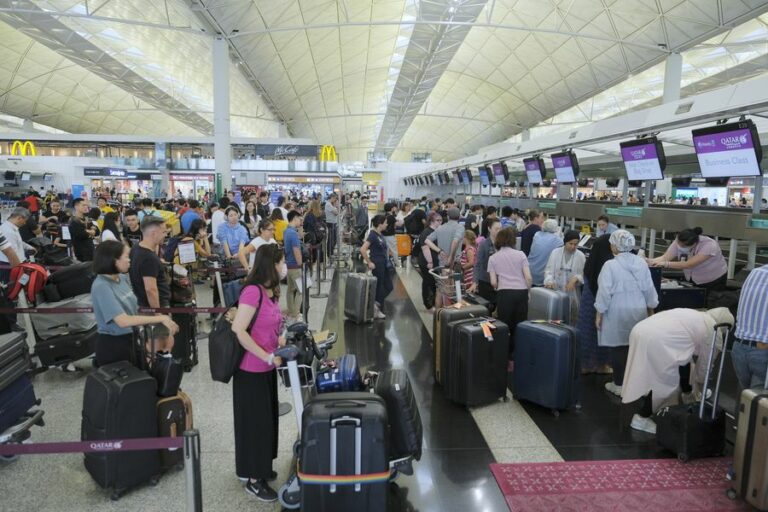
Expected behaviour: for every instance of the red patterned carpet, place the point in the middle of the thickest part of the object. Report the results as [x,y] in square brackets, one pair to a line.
[617,486]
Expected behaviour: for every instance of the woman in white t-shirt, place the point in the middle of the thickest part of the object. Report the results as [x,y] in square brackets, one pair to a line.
[247,253]
[112,228]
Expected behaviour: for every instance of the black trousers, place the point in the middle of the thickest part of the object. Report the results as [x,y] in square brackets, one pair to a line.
[256,423]
[512,308]
[332,236]
[646,409]
[486,291]
[111,349]
[428,286]
[718,284]
[619,363]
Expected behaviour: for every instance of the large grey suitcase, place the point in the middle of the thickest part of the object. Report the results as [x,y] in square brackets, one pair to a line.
[359,297]
[49,325]
[750,454]
[14,357]
[550,305]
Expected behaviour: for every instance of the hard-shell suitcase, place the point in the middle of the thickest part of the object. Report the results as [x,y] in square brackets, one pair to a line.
[406,432]
[14,357]
[185,341]
[359,297]
[547,367]
[551,305]
[475,361]
[49,325]
[750,453]
[344,434]
[15,400]
[119,402]
[67,348]
[174,417]
[695,430]
[404,245]
[70,281]
[344,377]
[441,334]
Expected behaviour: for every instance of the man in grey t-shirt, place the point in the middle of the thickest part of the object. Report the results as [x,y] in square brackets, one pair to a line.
[447,238]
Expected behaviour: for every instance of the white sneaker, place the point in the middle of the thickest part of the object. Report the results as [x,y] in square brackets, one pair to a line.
[643,424]
[378,315]
[613,388]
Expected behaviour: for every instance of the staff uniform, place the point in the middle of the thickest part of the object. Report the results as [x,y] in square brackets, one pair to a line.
[712,272]
[110,299]
[512,289]
[541,249]
[254,391]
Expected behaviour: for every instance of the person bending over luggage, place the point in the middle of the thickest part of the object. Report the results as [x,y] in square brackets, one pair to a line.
[625,296]
[699,257]
[428,259]
[544,244]
[511,278]
[254,384]
[659,348]
[482,279]
[115,306]
[594,358]
[565,271]
[378,262]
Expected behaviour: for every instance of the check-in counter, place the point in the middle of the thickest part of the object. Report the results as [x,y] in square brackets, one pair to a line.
[756,229]
[725,223]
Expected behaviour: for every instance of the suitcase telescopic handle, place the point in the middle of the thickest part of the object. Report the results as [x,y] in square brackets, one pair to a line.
[712,351]
[344,403]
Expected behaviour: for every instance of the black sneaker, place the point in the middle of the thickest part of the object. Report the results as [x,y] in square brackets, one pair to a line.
[261,490]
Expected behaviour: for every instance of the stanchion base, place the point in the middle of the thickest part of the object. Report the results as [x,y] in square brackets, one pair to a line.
[284,408]
[319,296]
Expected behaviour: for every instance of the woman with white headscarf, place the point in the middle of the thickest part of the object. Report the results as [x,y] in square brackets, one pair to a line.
[625,297]
[658,347]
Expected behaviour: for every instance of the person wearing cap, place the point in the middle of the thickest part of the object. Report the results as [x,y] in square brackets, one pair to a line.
[544,242]
[565,271]
[147,273]
[625,297]
[659,347]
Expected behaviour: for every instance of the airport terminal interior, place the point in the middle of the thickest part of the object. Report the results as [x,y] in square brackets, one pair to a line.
[383,255]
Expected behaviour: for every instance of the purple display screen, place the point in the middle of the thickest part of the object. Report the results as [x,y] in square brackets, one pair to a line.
[498,174]
[642,162]
[533,171]
[726,154]
[563,169]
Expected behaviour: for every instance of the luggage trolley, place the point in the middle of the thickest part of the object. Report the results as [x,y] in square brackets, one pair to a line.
[449,284]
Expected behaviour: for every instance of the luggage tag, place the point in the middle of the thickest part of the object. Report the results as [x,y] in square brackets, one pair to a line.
[487,328]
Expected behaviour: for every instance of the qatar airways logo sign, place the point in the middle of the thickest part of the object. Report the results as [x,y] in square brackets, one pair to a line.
[638,154]
[107,446]
[734,142]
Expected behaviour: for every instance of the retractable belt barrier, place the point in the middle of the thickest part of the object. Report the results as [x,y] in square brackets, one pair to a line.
[52,311]
[202,270]
[190,442]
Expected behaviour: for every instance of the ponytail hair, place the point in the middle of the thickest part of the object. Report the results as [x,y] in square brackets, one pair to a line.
[689,237]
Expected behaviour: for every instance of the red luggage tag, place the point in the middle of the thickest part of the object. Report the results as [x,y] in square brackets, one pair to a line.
[487,327]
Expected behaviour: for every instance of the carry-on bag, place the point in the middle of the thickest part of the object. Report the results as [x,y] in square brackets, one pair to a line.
[14,357]
[15,400]
[345,376]
[406,432]
[441,334]
[359,297]
[547,369]
[344,435]
[50,325]
[404,245]
[696,430]
[750,453]
[475,361]
[67,348]
[69,282]
[174,417]
[119,402]
[550,305]
[185,340]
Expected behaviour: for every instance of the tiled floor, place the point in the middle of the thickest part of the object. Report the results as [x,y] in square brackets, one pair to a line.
[459,443]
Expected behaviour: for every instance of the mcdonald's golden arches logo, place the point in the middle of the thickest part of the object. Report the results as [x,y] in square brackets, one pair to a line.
[26,148]
[328,153]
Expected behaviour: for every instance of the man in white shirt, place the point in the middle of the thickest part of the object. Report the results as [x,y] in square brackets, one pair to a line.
[12,247]
[217,219]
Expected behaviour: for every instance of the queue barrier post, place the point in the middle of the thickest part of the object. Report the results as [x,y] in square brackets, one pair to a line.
[192,471]
[318,294]
[304,292]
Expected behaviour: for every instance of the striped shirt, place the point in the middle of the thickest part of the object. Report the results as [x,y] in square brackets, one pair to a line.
[752,316]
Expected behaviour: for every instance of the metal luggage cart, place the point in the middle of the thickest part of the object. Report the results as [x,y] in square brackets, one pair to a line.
[449,284]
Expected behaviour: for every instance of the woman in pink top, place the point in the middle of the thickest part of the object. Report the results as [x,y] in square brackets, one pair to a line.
[511,278]
[258,326]
[699,257]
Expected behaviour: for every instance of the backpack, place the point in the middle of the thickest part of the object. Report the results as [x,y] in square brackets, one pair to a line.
[170,248]
[224,349]
[31,277]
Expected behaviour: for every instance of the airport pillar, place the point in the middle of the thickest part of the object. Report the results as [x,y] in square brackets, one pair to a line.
[222,145]
[673,73]
[757,199]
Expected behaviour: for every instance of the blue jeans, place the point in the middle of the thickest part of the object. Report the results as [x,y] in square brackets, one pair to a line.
[750,364]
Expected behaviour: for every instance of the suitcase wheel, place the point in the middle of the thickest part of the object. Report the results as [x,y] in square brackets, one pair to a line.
[555,413]
[731,493]
[682,457]
[288,499]
[9,458]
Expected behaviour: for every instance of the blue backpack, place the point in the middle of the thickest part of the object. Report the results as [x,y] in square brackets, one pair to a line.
[170,248]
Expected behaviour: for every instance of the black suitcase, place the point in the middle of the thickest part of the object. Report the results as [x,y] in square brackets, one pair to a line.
[356,425]
[695,430]
[441,333]
[185,341]
[405,429]
[14,357]
[15,400]
[119,403]
[475,370]
[68,348]
[68,282]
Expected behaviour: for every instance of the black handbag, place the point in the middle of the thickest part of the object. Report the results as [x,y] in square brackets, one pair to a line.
[224,349]
[168,372]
